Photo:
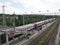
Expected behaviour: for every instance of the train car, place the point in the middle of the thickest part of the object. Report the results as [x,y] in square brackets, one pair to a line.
[38,25]
[3,37]
[53,19]
[46,21]
[42,22]
[25,27]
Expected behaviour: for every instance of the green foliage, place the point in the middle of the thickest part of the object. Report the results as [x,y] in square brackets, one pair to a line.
[19,19]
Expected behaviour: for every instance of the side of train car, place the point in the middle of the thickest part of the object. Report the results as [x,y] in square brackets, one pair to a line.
[41,23]
[37,25]
[34,25]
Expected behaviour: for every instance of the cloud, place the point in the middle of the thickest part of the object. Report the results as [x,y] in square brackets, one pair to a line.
[9,9]
[37,4]
[31,6]
[42,5]
[53,1]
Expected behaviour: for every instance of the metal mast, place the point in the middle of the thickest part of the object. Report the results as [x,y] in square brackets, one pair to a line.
[4,24]
[3,10]
[23,20]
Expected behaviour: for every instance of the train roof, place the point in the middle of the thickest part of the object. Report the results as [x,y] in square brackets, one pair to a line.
[25,26]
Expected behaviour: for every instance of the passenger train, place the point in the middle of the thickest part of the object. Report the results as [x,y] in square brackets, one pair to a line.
[37,26]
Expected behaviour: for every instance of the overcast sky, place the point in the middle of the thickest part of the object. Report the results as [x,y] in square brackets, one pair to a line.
[29,6]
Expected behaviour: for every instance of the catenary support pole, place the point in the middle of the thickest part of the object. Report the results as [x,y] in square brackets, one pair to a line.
[7,40]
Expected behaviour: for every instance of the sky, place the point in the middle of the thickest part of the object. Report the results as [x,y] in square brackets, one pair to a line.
[30,6]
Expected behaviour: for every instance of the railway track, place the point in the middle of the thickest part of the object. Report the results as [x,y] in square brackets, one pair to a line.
[37,40]
[51,38]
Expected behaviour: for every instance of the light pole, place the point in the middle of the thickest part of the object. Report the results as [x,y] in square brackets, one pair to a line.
[23,20]
[13,24]
[7,40]
[14,21]
[4,24]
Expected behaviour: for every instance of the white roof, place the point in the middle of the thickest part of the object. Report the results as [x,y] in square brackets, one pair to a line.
[24,26]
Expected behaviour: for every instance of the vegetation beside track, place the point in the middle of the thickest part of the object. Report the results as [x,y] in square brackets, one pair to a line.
[45,37]
[19,19]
